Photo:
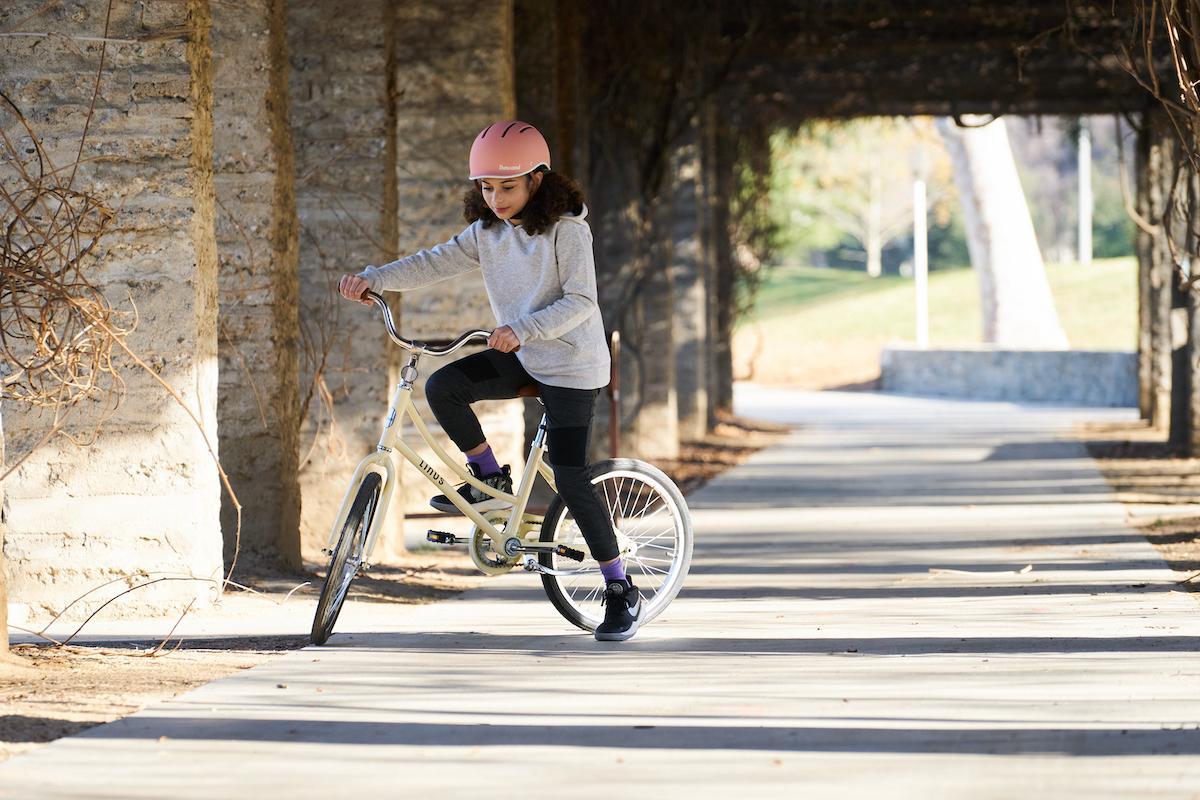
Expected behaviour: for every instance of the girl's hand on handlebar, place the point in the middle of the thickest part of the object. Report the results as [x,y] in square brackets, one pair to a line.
[504,340]
[355,288]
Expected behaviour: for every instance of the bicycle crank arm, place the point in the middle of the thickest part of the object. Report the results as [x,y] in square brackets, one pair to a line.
[556,549]
[531,564]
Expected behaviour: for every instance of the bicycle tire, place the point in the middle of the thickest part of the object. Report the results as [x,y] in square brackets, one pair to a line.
[624,474]
[346,559]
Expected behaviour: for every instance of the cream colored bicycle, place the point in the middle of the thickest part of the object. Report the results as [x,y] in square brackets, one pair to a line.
[648,512]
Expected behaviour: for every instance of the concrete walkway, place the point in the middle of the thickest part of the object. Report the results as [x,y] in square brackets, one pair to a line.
[908,598]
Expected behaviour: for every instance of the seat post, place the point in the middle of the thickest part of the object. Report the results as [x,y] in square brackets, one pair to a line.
[539,438]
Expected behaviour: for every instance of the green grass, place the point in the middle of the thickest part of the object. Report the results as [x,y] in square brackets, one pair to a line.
[1097,306]
[817,328]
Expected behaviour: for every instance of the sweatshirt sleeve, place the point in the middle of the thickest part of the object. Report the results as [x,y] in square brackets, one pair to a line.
[453,257]
[577,272]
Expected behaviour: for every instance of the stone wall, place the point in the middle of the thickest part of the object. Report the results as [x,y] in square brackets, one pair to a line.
[256,231]
[145,495]
[1063,377]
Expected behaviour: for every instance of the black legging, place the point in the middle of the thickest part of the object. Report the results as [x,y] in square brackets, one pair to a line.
[492,375]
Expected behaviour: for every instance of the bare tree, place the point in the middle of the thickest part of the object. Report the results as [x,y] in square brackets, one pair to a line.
[853,177]
[1018,309]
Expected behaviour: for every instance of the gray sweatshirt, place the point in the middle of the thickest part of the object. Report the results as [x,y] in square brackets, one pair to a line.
[543,287]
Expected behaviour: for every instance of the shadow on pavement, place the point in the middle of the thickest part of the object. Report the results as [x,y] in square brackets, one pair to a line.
[897,739]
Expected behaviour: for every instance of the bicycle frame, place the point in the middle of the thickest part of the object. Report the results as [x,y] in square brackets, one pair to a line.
[391,444]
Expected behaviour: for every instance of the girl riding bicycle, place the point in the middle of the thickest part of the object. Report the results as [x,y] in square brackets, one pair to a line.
[528,233]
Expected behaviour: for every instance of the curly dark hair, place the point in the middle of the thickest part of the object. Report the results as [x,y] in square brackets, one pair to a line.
[557,195]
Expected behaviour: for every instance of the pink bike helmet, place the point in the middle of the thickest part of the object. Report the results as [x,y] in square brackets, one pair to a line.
[508,149]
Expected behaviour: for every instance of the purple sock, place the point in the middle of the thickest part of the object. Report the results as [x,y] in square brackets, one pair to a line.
[614,571]
[486,461]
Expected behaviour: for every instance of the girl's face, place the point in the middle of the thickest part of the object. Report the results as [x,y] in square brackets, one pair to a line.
[506,197]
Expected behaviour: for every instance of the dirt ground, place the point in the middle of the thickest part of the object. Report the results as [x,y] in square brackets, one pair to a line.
[47,691]
[1144,471]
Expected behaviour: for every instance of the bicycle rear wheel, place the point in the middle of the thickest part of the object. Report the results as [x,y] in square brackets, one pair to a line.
[347,557]
[654,532]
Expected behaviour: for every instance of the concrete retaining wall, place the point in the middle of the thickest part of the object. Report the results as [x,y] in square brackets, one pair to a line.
[1064,377]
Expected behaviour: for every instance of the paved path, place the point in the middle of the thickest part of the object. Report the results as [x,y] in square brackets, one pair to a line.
[908,598]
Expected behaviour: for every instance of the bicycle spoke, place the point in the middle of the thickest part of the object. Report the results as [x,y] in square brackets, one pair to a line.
[651,496]
[645,567]
[591,596]
[624,497]
[650,542]
[647,513]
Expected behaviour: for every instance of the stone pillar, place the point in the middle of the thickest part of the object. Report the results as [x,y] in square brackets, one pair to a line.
[1144,247]
[1185,380]
[1158,174]
[633,251]
[549,70]
[648,350]
[711,240]
[446,94]
[547,73]
[1180,434]
[725,277]
[339,53]
[145,494]
[536,43]
[258,394]
[690,285]
[383,121]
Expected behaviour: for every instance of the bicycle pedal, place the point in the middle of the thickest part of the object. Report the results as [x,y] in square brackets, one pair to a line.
[441,537]
[569,552]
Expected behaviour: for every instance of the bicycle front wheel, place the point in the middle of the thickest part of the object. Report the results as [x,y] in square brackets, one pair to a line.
[654,533]
[347,557]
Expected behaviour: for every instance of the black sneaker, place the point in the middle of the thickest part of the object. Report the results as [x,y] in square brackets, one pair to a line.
[622,611]
[501,480]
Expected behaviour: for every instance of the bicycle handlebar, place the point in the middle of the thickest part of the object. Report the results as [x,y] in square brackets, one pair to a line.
[421,347]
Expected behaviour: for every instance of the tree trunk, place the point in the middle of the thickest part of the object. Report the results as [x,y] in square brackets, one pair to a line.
[1018,309]
[875,225]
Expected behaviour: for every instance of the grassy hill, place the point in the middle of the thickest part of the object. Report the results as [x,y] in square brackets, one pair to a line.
[819,327]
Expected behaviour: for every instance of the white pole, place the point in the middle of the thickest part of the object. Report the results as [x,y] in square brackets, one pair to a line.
[921,263]
[1085,194]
